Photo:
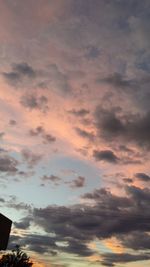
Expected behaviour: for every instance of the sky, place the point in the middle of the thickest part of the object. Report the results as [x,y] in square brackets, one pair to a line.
[75,130]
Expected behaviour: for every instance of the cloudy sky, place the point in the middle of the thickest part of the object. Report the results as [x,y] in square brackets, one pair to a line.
[75,130]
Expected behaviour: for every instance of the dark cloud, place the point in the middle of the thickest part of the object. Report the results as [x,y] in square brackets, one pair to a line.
[37,243]
[23,224]
[2,135]
[31,158]
[136,240]
[78,182]
[108,124]
[2,200]
[37,131]
[22,75]
[110,259]
[18,205]
[141,196]
[8,164]
[48,138]
[116,80]
[52,178]
[142,176]
[85,134]
[12,122]
[105,155]
[18,73]
[74,247]
[35,102]
[79,113]
[12,77]
[40,131]
[24,69]
[133,128]
[58,80]
[92,53]
[128,180]
[126,218]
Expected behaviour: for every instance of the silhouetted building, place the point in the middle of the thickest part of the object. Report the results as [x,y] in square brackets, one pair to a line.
[5,227]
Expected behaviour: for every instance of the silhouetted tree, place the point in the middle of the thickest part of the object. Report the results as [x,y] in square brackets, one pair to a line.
[17,258]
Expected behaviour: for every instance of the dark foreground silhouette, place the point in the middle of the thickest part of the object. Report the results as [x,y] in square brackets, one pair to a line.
[17,258]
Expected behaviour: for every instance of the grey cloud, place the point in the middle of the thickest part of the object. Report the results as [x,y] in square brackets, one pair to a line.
[40,131]
[8,164]
[108,216]
[52,78]
[128,180]
[85,134]
[2,134]
[23,224]
[117,80]
[133,128]
[79,113]
[12,122]
[58,81]
[108,122]
[24,69]
[105,155]
[12,77]
[35,102]
[136,240]
[35,132]
[74,247]
[37,243]
[48,138]
[78,182]
[92,53]
[136,89]
[141,197]
[142,176]
[18,73]
[111,259]
[31,158]
[52,178]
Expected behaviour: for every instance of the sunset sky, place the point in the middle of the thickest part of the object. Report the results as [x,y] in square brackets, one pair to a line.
[75,130]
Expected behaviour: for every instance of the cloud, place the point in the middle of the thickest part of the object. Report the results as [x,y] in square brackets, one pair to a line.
[136,241]
[23,224]
[19,72]
[128,180]
[35,102]
[85,134]
[40,131]
[52,178]
[74,247]
[133,128]
[109,216]
[8,164]
[116,80]
[142,176]
[1,135]
[34,242]
[78,182]
[50,77]
[48,138]
[24,69]
[105,155]
[31,158]
[110,259]
[58,81]
[37,131]
[12,122]
[79,113]
[92,52]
